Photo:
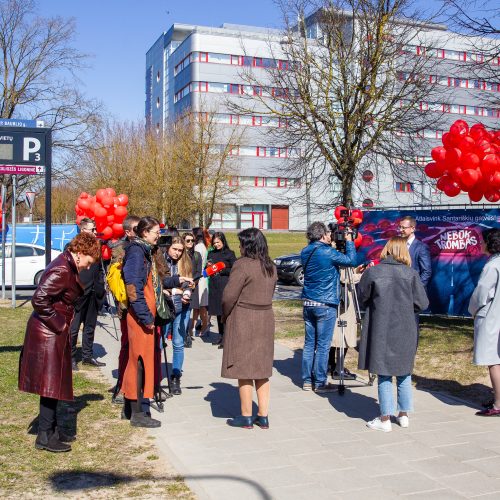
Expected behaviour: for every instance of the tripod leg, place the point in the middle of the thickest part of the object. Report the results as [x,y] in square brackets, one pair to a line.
[166,361]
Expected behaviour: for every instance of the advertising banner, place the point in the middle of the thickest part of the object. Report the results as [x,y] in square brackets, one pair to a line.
[35,234]
[454,240]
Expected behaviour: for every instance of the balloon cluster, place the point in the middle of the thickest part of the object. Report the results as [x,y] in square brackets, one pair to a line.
[350,218]
[468,161]
[107,210]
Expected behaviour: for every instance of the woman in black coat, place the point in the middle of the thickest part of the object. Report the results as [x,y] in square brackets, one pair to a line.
[220,253]
[391,293]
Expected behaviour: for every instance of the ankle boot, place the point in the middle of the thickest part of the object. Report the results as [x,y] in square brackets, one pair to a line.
[127,409]
[47,440]
[62,436]
[176,385]
[140,419]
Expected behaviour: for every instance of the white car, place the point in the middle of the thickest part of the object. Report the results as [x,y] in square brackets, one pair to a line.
[30,263]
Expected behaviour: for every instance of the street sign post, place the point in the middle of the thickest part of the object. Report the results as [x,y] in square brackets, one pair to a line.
[27,150]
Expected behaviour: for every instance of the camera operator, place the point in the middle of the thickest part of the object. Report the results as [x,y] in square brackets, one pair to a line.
[321,295]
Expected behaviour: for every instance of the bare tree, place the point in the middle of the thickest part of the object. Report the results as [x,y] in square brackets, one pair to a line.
[350,88]
[213,163]
[479,22]
[38,79]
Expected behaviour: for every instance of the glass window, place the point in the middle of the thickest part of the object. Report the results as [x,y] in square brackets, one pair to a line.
[282,182]
[273,152]
[234,88]
[260,181]
[236,60]
[223,118]
[246,120]
[218,87]
[248,151]
[24,251]
[368,202]
[39,251]
[247,181]
[257,121]
[219,58]
[261,151]
[271,182]
[247,61]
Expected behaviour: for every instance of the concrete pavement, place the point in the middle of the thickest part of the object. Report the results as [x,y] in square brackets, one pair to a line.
[317,445]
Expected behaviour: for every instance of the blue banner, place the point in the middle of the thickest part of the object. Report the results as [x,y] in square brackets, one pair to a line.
[35,234]
[455,242]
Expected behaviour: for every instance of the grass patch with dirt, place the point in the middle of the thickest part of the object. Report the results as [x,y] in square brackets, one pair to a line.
[444,356]
[110,459]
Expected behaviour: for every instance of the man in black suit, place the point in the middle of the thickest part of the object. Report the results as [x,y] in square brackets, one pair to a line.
[419,251]
[87,306]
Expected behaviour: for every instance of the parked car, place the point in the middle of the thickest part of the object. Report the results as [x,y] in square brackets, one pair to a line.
[289,269]
[30,263]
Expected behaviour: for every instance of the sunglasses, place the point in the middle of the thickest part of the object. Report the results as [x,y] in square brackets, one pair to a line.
[189,240]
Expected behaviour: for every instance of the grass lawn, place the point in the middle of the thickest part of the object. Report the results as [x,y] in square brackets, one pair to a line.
[110,459]
[444,356]
[279,243]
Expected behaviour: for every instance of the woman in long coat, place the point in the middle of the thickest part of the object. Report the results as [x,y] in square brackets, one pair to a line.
[249,318]
[220,253]
[45,362]
[391,293]
[485,308]
[141,277]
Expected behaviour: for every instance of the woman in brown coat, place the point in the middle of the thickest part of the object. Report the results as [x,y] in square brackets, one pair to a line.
[45,363]
[249,333]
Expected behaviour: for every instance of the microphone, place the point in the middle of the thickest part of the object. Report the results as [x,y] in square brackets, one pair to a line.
[213,269]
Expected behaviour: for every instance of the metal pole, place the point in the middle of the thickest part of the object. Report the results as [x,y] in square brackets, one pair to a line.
[4,237]
[48,197]
[13,248]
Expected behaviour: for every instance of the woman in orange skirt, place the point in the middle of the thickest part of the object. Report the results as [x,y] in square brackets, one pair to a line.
[138,271]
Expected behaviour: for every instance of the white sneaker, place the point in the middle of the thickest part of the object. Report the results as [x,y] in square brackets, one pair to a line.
[403,421]
[379,425]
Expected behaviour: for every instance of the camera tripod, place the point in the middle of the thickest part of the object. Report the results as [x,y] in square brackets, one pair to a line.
[349,285]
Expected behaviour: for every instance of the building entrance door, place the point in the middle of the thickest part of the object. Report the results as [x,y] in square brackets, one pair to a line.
[258,220]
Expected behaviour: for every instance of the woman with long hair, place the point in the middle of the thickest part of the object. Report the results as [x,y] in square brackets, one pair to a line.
[220,253]
[249,318]
[197,265]
[140,274]
[391,293]
[179,263]
[201,302]
[485,308]
[45,362]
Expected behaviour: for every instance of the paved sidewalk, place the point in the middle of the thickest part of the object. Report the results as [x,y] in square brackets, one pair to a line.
[317,445]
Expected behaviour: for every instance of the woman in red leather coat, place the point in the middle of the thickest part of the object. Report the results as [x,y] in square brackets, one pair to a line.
[45,363]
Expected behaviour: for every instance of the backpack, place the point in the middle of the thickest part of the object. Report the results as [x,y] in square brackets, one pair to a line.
[116,283]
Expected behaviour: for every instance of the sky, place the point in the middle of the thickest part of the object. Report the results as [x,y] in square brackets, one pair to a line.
[117,34]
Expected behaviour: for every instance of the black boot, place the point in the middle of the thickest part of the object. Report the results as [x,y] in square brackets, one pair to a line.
[176,385]
[127,409]
[140,419]
[62,436]
[47,440]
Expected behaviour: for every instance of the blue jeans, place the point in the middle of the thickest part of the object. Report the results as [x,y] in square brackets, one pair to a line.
[386,398]
[319,325]
[179,327]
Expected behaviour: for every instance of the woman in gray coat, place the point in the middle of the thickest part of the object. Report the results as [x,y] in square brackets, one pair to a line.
[249,333]
[485,308]
[391,293]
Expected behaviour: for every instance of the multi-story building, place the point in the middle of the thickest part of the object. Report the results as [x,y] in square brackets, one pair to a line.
[200,68]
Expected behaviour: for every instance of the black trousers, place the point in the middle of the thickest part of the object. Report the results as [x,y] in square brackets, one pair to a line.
[86,313]
[47,420]
[220,325]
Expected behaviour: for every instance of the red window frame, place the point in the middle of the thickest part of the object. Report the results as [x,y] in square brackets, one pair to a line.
[260,183]
[256,121]
[284,65]
[234,119]
[258,62]
[234,180]
[235,88]
[282,182]
[234,151]
[203,56]
[236,60]
[261,152]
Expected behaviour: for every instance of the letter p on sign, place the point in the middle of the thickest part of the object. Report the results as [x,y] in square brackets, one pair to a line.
[31,145]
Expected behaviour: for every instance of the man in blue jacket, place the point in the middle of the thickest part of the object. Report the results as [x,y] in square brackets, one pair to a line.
[321,295]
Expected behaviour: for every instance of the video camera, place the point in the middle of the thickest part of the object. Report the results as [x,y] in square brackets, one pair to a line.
[164,241]
[346,224]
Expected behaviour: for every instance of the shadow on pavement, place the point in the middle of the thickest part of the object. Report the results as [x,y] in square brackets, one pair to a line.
[291,367]
[81,480]
[454,393]
[224,400]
